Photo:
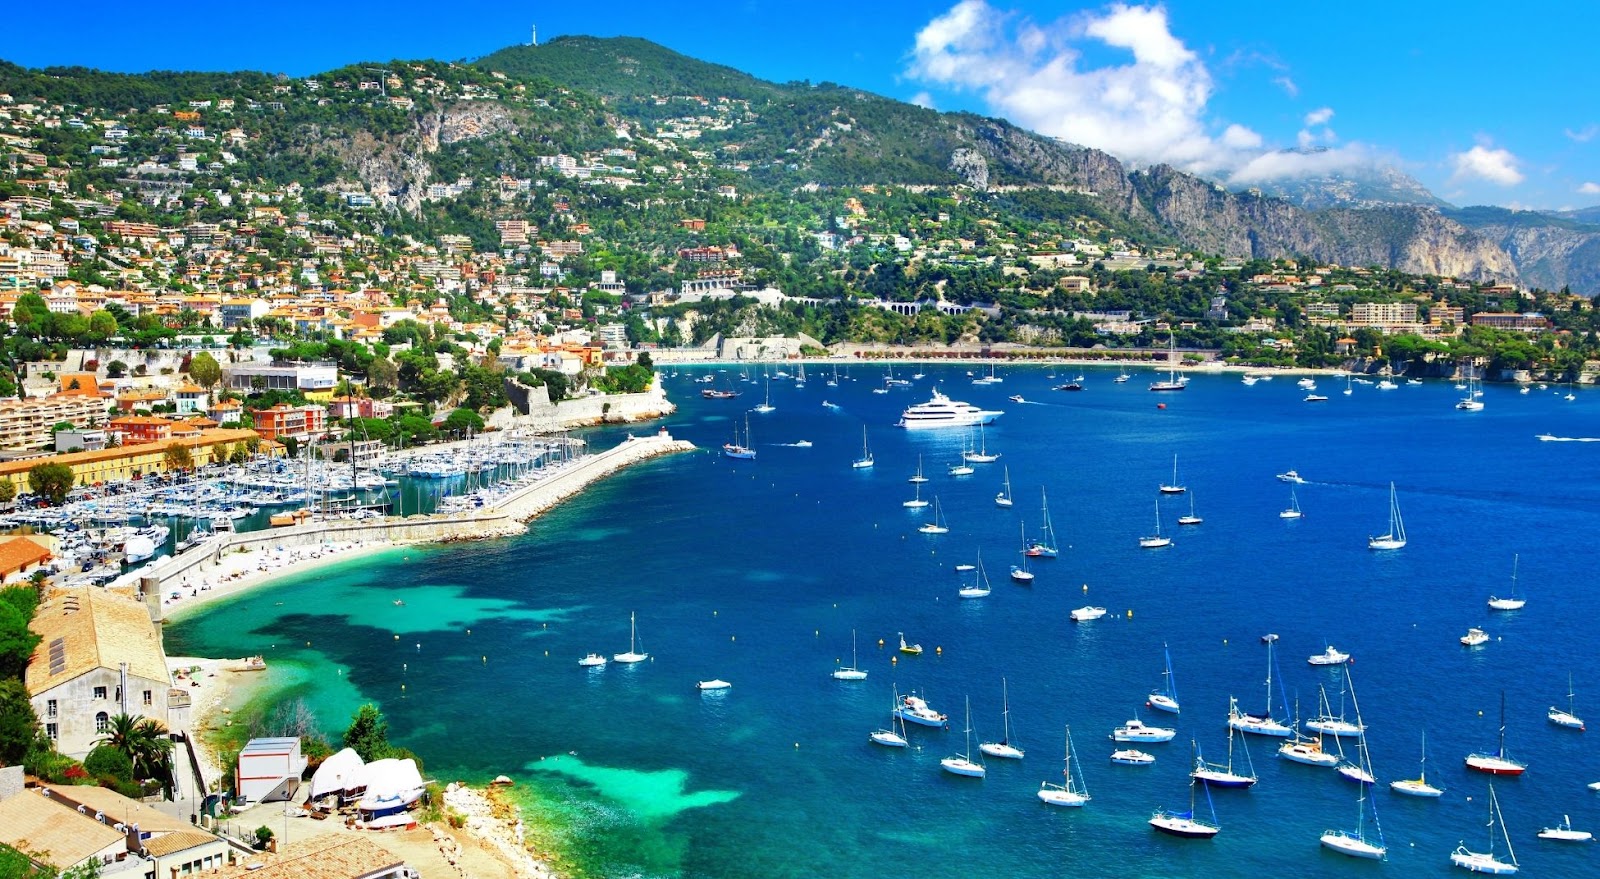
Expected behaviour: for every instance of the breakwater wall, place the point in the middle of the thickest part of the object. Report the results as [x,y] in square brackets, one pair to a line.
[506,519]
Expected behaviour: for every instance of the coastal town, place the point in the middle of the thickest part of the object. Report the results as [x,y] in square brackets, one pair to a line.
[234,352]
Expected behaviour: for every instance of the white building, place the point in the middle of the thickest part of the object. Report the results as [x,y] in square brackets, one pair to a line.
[269,770]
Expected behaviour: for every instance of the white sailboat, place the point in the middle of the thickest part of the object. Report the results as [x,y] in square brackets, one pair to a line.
[1294,511]
[1157,541]
[1218,775]
[1396,538]
[1264,724]
[1045,545]
[979,587]
[1306,749]
[918,477]
[1355,842]
[865,460]
[1173,487]
[1003,499]
[1330,724]
[1419,786]
[1192,518]
[1003,748]
[1020,573]
[1486,862]
[1185,824]
[1166,698]
[895,735]
[766,406]
[963,764]
[633,654]
[1566,718]
[916,503]
[1514,601]
[850,672]
[1069,792]
[1356,771]
[961,467]
[981,455]
[938,525]
[1173,383]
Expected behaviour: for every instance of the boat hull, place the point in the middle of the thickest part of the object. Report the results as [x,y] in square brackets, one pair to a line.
[1218,778]
[933,720]
[1413,787]
[1354,846]
[889,739]
[1562,718]
[1478,862]
[1131,757]
[1001,750]
[1056,796]
[963,767]
[1188,828]
[1495,765]
[1162,702]
[1260,726]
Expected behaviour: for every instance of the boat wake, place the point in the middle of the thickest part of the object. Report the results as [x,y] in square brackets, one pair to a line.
[1547,438]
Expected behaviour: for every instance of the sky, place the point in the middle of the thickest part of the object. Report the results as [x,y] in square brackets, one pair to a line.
[1482,102]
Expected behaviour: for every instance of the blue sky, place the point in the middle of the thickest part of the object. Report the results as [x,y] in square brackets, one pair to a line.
[1482,102]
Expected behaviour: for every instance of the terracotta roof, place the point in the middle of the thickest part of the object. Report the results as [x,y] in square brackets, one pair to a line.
[172,843]
[189,389]
[329,856]
[84,629]
[17,553]
[206,437]
[128,811]
[31,823]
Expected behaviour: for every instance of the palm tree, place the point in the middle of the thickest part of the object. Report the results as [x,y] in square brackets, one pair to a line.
[144,741]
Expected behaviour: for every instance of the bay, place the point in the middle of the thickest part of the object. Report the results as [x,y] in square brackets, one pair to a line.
[757,571]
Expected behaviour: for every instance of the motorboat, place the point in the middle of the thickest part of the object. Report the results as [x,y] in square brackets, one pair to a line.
[1330,656]
[941,411]
[1132,757]
[1308,751]
[1316,398]
[1474,637]
[909,649]
[1136,731]
[713,684]
[1563,832]
[1290,476]
[913,709]
[1084,614]
[593,660]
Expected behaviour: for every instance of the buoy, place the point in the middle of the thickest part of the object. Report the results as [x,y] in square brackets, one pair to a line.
[797,746]
[938,651]
[469,631]
[733,637]
[880,642]
[308,643]
[894,660]
[1130,613]
[1086,587]
[397,637]
[1161,405]
[713,613]
[1224,640]
[1480,713]
[485,660]
[816,633]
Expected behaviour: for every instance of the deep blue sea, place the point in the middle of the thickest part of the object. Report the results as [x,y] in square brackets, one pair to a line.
[758,571]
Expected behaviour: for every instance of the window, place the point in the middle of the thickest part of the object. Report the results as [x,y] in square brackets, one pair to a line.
[102,722]
[50,708]
[52,731]
[99,692]
[148,700]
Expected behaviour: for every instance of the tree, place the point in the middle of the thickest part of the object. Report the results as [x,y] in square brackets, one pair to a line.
[177,457]
[144,741]
[462,420]
[382,373]
[17,641]
[102,327]
[368,734]
[205,370]
[18,725]
[51,482]
[8,491]
[116,369]
[108,762]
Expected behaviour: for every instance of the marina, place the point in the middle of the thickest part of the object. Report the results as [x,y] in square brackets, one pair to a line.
[772,614]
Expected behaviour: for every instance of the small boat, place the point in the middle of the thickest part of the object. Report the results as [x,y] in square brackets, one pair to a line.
[1330,656]
[1316,398]
[633,654]
[1085,614]
[1173,383]
[1070,386]
[895,735]
[865,460]
[1486,862]
[963,764]
[1190,519]
[1020,573]
[1132,757]
[1263,724]
[1294,511]
[916,503]
[1068,792]
[1514,601]
[1419,786]
[1184,824]
[1222,775]
[1307,750]
[1474,637]
[1329,724]
[828,405]
[1396,538]
[938,525]
[1166,698]
[918,477]
[1156,541]
[1355,843]
[1563,832]
[1003,499]
[1290,476]
[850,672]
[909,649]
[740,449]
[1003,748]
[766,406]
[1016,398]
[1497,763]
[979,587]
[1136,731]
[713,684]
[1122,377]
[981,455]
[1307,384]
[593,660]
[1173,487]
[1045,545]
[915,710]
[1566,718]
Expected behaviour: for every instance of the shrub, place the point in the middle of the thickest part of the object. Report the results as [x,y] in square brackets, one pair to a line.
[263,836]
[108,763]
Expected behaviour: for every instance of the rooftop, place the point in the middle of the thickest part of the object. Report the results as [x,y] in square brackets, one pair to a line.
[84,629]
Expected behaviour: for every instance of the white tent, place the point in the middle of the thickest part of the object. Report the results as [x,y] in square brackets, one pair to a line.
[341,772]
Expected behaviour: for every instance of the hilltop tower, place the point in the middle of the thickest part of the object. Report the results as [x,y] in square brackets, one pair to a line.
[533,35]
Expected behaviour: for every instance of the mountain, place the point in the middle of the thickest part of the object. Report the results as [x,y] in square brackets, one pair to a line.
[833,135]
[1552,249]
[1362,186]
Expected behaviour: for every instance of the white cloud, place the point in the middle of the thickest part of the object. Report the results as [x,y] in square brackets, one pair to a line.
[1590,188]
[1584,134]
[1283,165]
[923,99]
[1319,117]
[1288,86]
[1148,109]
[1497,166]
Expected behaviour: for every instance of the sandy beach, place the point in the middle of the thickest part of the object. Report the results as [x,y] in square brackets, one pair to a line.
[242,571]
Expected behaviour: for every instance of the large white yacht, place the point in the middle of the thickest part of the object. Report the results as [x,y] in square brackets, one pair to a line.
[942,411]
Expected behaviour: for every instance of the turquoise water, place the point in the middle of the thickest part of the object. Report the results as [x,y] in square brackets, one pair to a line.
[756,572]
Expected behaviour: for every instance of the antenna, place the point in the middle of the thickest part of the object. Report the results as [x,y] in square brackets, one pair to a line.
[533,35]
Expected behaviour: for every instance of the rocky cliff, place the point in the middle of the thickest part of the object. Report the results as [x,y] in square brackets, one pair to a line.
[1552,254]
